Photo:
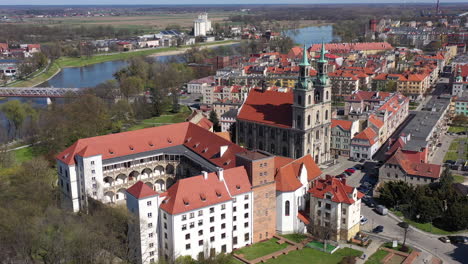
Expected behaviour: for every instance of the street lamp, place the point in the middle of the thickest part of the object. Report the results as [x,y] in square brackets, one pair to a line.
[405,226]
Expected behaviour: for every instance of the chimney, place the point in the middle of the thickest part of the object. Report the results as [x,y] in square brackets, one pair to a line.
[220,174]
[343,180]
[205,175]
[222,150]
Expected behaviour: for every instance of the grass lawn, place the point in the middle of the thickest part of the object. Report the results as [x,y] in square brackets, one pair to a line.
[24,154]
[261,249]
[458,178]
[451,155]
[389,245]
[454,144]
[309,255]
[38,78]
[456,129]
[319,245]
[377,257]
[295,237]
[427,227]
[165,119]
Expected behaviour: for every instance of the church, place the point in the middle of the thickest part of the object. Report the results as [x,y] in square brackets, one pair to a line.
[290,123]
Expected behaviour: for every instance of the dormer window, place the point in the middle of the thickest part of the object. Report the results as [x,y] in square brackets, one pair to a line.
[218,193]
[111,151]
[169,140]
[131,147]
[196,145]
[186,202]
[205,150]
[202,197]
[188,139]
[151,144]
[328,196]
[238,187]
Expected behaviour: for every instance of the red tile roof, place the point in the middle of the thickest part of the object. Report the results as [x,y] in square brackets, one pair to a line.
[341,193]
[197,192]
[301,215]
[140,190]
[208,80]
[205,123]
[367,96]
[344,124]
[347,47]
[375,121]
[412,166]
[287,176]
[367,134]
[268,107]
[201,141]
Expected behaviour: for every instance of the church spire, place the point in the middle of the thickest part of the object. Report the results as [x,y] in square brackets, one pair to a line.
[322,53]
[305,60]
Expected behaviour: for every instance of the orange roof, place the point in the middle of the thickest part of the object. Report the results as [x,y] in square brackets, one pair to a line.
[224,135]
[201,141]
[341,193]
[375,121]
[367,134]
[287,176]
[344,124]
[197,192]
[347,47]
[140,190]
[301,215]
[412,166]
[268,107]
[205,123]
[367,96]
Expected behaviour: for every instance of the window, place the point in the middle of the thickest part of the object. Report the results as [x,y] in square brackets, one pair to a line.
[328,206]
[223,235]
[246,206]
[327,215]
[246,237]
[200,232]
[165,216]
[184,227]
[150,225]
[286,208]
[192,224]
[165,225]
[234,218]
[151,245]
[93,171]
[299,100]
[223,216]
[223,206]
[200,213]
[223,226]
[344,211]
[343,221]
[192,215]
[246,197]
[319,204]
[246,224]
[246,215]
[187,246]
[212,229]
[234,199]
[308,120]
[150,234]
[309,99]
[212,210]
[187,236]
[148,203]
[165,235]
[319,213]
[212,219]
[150,215]
[184,217]
[92,162]
[234,228]
[234,209]
[151,253]
[200,242]
[234,240]
[200,222]
[212,239]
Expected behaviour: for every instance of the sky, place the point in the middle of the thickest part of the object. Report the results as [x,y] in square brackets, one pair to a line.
[185,2]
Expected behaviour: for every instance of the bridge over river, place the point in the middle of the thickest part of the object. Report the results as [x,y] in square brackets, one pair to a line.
[46,92]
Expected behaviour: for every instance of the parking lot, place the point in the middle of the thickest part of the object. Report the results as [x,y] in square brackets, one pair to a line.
[358,177]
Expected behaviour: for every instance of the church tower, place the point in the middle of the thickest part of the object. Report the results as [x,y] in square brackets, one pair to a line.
[312,111]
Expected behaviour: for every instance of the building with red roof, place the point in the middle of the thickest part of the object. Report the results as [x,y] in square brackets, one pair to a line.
[408,167]
[344,48]
[290,123]
[335,207]
[365,144]
[342,131]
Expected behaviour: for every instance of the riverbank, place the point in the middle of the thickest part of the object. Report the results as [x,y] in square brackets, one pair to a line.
[67,62]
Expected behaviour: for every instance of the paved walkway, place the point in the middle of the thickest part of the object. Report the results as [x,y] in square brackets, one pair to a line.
[371,249]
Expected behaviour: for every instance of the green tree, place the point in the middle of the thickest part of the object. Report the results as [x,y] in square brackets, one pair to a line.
[16,113]
[214,119]
[131,86]
[460,120]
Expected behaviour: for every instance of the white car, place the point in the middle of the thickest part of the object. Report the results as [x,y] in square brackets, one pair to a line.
[363,220]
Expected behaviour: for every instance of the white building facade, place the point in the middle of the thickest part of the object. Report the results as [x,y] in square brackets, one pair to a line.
[202,25]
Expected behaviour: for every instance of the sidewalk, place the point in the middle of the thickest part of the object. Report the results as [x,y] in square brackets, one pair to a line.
[371,249]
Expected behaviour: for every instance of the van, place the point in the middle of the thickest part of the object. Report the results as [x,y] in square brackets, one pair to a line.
[381,210]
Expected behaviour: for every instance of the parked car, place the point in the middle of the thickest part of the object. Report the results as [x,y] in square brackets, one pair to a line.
[381,210]
[450,162]
[348,173]
[362,160]
[378,229]
[363,189]
[457,239]
[352,159]
[358,167]
[342,176]
[444,239]
[352,170]
[363,220]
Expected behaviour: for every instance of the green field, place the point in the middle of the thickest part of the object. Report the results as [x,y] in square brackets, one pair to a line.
[377,257]
[295,237]
[452,153]
[261,249]
[458,178]
[37,79]
[456,129]
[169,118]
[309,255]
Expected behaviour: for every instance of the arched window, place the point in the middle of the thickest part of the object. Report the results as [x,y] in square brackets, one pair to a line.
[298,122]
[318,117]
[326,95]
[299,100]
[317,134]
[317,97]
[310,100]
[326,114]
[286,208]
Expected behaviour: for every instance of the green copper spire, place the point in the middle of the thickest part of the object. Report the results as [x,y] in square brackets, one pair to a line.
[305,61]
[322,53]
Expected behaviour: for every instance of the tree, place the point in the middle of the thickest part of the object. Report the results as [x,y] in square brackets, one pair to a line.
[460,120]
[130,86]
[16,112]
[214,119]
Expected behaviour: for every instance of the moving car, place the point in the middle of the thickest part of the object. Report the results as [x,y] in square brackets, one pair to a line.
[378,229]
[444,239]
[381,210]
[363,220]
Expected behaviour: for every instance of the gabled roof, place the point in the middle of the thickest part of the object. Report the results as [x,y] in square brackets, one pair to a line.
[347,47]
[268,107]
[375,121]
[367,134]
[344,124]
[201,141]
[411,166]
[197,192]
[360,96]
[340,192]
[287,176]
[140,190]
